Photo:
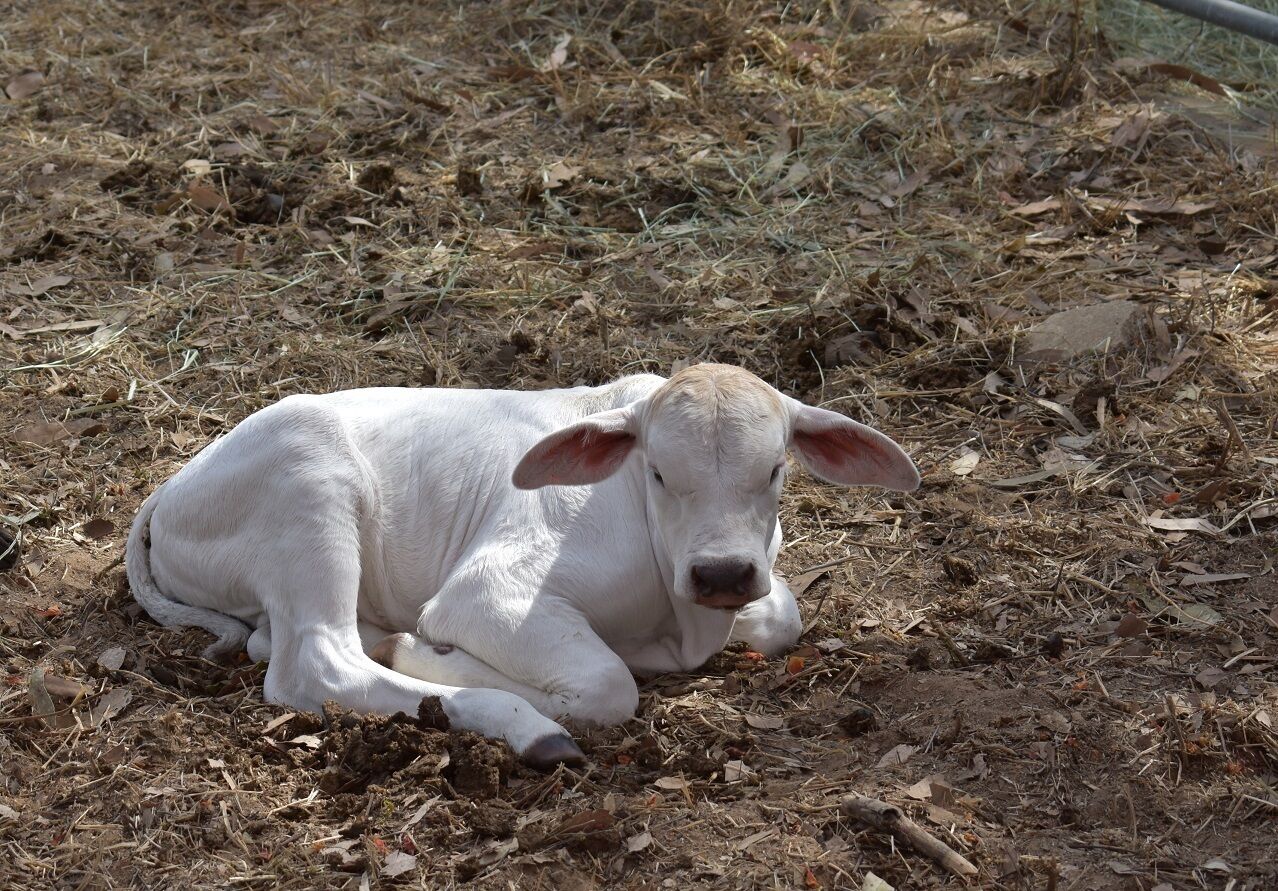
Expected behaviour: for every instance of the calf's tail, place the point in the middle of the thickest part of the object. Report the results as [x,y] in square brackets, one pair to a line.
[231,632]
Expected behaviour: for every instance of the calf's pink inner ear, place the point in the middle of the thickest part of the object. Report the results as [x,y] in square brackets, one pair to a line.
[577,456]
[842,451]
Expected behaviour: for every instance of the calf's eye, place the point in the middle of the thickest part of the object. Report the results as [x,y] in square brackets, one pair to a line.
[656,476]
[776,472]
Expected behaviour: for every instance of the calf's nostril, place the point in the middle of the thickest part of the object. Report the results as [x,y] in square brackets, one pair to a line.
[723,576]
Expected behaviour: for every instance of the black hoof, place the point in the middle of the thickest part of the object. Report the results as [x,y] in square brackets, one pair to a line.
[549,751]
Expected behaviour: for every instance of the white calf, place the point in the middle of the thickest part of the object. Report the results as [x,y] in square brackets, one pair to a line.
[516,554]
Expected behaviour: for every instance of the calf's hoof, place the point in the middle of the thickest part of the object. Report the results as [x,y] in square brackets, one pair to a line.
[548,751]
[384,652]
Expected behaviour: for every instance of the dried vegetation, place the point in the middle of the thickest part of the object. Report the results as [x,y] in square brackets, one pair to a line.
[1059,655]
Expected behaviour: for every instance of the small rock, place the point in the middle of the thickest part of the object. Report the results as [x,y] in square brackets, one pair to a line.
[960,571]
[1054,645]
[858,721]
[1082,331]
[8,551]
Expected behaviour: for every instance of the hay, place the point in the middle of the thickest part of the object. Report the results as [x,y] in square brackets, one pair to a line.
[1058,655]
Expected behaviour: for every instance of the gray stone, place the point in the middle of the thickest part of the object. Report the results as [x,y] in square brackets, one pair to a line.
[1081,331]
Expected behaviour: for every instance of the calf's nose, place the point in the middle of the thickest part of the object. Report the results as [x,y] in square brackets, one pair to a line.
[726,575]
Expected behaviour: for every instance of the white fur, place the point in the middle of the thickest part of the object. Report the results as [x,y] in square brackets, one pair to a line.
[323,523]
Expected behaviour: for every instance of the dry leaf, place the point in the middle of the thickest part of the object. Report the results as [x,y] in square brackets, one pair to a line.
[965,463]
[46,284]
[672,783]
[112,658]
[397,863]
[897,755]
[559,55]
[871,882]
[1212,578]
[110,705]
[587,821]
[307,740]
[1152,206]
[796,176]
[98,528]
[276,723]
[639,841]
[1131,625]
[1211,677]
[1034,208]
[63,688]
[54,431]
[1199,613]
[8,813]
[208,199]
[921,791]
[260,123]
[802,582]
[765,722]
[561,173]
[25,85]
[1190,524]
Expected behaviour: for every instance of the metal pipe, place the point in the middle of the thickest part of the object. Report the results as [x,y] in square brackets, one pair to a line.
[1228,14]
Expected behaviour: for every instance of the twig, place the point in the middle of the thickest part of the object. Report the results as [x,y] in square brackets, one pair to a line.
[1180,736]
[884,816]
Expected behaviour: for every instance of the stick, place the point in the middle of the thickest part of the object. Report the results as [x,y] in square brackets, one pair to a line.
[884,816]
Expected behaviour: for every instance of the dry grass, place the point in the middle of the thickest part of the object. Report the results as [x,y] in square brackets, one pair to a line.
[254,199]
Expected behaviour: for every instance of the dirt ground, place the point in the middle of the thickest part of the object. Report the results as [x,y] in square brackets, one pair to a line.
[1059,656]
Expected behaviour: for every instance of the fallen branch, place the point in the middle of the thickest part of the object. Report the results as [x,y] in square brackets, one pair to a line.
[887,818]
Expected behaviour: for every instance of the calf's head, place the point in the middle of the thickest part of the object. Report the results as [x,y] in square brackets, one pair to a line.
[712,441]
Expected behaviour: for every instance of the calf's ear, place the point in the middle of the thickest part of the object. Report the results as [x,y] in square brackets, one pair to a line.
[839,450]
[586,452]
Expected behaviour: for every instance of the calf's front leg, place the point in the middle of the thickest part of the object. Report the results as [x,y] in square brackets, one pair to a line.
[541,642]
[772,624]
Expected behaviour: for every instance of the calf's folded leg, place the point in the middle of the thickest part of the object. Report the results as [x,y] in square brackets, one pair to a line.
[310,666]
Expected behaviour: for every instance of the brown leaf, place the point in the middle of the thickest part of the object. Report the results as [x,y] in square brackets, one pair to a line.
[587,821]
[1152,206]
[536,249]
[54,431]
[63,688]
[98,528]
[897,755]
[561,173]
[110,705]
[1211,677]
[765,722]
[802,582]
[207,199]
[25,85]
[1213,578]
[260,123]
[639,841]
[1186,73]
[911,183]
[1131,625]
[559,55]
[46,284]
[276,723]
[805,51]
[1034,208]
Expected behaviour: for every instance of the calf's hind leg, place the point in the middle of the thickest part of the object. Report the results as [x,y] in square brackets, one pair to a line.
[310,594]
